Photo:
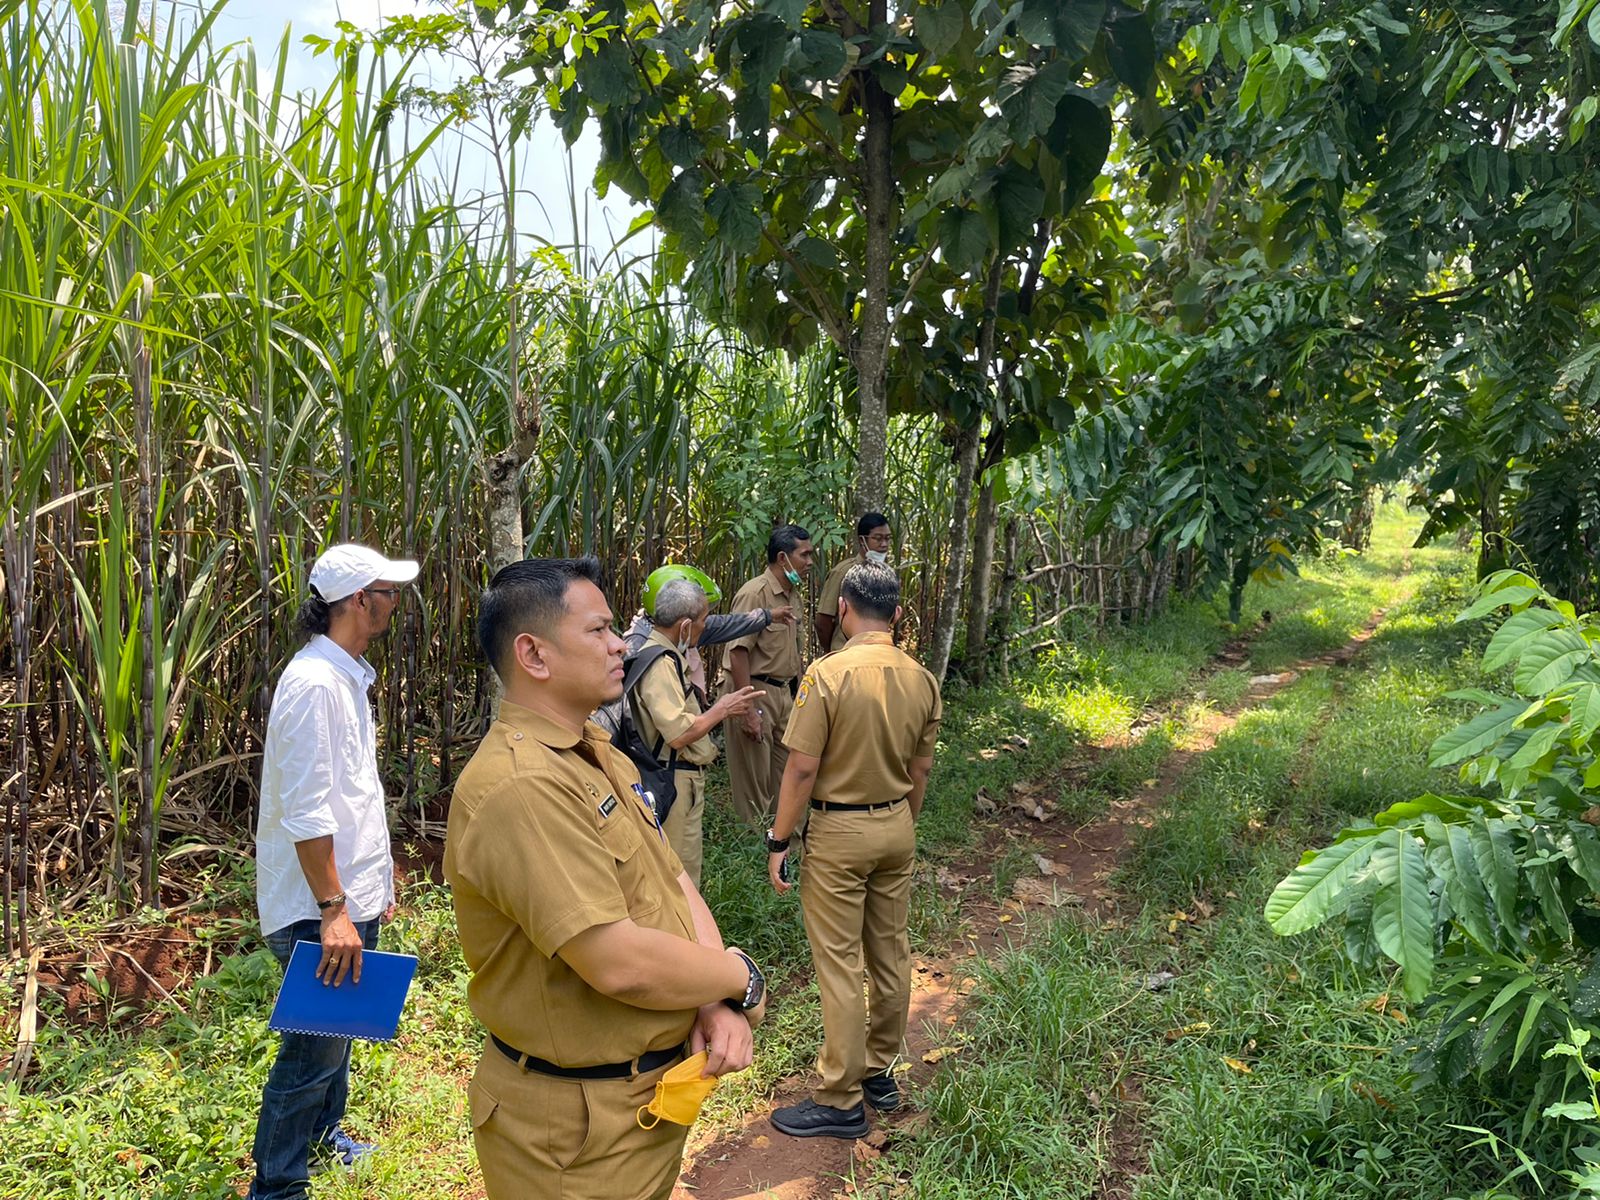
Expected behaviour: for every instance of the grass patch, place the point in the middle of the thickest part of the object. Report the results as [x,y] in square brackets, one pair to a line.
[1266,1069]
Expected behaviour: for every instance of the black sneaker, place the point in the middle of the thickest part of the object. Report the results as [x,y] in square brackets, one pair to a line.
[881,1091]
[810,1119]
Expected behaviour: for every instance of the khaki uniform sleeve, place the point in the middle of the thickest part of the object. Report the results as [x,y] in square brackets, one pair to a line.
[812,718]
[666,702]
[828,602]
[747,599]
[570,887]
[930,730]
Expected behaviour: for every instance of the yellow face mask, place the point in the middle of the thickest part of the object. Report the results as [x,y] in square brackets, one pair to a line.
[679,1094]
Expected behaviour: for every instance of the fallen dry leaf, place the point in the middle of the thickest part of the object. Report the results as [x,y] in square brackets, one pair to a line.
[914,1124]
[1007,918]
[934,1056]
[1194,1030]
[1363,1089]
[1045,865]
[983,805]
[877,1139]
[988,754]
[1239,1065]
[761,1141]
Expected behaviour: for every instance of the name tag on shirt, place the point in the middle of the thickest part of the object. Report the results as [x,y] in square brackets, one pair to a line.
[608,806]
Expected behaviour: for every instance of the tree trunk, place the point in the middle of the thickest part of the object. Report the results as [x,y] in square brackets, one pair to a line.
[1492,555]
[967,445]
[1236,586]
[950,602]
[1006,601]
[872,349]
[977,653]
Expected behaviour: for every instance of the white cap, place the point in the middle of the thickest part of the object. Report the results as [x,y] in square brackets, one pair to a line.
[344,570]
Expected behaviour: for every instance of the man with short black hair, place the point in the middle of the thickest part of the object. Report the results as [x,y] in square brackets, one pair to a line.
[872,546]
[593,957]
[861,745]
[770,660]
[324,873]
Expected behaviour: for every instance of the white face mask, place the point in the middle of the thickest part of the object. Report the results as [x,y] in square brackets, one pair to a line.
[685,642]
[881,557]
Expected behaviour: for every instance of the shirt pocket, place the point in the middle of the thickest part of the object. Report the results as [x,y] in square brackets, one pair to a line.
[623,838]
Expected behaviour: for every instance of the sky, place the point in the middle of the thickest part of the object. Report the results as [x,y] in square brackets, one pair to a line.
[545,164]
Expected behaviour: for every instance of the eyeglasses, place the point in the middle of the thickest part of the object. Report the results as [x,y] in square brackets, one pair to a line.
[384,591]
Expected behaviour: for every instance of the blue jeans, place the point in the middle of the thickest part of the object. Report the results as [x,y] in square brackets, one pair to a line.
[307,1089]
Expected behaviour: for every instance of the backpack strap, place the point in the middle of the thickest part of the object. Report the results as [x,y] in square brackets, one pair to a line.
[634,667]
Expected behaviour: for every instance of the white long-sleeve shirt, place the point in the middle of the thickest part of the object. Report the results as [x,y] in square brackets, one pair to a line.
[319,777]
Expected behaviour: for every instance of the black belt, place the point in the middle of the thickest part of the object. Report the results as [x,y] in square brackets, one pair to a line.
[791,683]
[624,1070]
[829,806]
[680,765]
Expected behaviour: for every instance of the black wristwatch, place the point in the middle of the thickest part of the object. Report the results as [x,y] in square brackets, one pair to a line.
[753,990]
[777,845]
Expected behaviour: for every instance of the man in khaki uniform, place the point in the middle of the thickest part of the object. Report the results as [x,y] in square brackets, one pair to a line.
[771,661]
[670,719]
[873,542]
[594,959]
[860,747]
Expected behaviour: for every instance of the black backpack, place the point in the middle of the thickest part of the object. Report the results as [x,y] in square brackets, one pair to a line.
[617,718]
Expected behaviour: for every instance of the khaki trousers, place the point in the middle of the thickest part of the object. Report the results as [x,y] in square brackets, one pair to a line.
[543,1138]
[755,769]
[855,892]
[685,820]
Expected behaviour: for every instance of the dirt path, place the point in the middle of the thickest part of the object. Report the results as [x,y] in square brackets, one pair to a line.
[1075,865]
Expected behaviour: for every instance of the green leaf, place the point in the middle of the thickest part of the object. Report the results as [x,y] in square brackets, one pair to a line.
[1029,97]
[1495,854]
[787,11]
[940,26]
[737,213]
[963,238]
[682,209]
[1019,202]
[1130,47]
[1077,26]
[1549,660]
[680,145]
[1535,748]
[1518,632]
[606,76]
[1581,845]
[1476,736]
[1493,600]
[1464,887]
[1530,1022]
[762,42]
[1311,893]
[1572,1111]
[1080,136]
[823,53]
[1402,914]
[1585,712]
[1410,810]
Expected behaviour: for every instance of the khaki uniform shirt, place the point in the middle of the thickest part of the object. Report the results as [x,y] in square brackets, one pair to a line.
[547,838]
[828,602]
[775,651]
[666,708]
[866,712]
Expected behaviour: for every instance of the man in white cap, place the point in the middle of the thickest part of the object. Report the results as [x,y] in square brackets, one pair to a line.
[324,873]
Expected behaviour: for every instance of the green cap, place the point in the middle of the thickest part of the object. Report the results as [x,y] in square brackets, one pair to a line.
[661,576]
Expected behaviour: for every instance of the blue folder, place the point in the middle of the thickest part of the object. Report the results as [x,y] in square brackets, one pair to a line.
[369,1010]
